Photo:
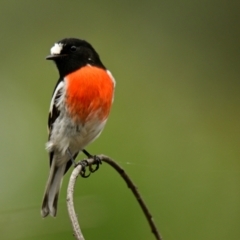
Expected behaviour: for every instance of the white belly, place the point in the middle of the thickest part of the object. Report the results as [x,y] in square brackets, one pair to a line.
[67,135]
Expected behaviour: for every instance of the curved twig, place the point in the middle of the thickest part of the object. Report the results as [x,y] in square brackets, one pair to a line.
[70,205]
[78,170]
[136,193]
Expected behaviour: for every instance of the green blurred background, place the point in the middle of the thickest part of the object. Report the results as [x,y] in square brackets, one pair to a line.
[174,126]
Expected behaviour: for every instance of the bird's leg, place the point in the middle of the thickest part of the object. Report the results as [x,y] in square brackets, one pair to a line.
[84,164]
[96,159]
[71,157]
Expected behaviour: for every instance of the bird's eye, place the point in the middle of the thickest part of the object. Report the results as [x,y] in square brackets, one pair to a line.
[73,48]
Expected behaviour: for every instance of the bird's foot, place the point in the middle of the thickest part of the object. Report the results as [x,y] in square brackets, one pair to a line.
[97,161]
[84,164]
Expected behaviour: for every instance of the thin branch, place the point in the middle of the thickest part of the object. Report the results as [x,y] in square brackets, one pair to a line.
[78,170]
[136,193]
[70,205]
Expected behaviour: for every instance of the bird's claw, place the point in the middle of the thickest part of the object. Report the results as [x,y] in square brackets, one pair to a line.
[84,164]
[98,161]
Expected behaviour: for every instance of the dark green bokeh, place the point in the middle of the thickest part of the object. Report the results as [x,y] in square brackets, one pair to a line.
[174,126]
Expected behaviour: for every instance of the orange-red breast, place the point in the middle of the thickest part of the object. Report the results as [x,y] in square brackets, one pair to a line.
[79,109]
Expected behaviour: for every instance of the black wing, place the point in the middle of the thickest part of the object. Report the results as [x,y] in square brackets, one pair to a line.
[54,111]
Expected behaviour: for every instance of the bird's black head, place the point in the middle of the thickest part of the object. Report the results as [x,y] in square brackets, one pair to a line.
[70,54]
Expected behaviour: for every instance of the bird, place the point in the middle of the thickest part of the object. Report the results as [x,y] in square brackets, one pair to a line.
[79,109]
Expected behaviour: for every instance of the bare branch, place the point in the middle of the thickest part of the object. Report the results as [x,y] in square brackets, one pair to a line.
[136,193]
[78,170]
[70,205]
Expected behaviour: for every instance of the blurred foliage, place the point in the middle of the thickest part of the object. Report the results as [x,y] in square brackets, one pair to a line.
[174,125]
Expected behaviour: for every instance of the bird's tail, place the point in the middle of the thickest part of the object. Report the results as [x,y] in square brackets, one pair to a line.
[50,198]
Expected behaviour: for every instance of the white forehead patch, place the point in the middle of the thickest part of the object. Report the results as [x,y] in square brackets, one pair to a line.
[56,49]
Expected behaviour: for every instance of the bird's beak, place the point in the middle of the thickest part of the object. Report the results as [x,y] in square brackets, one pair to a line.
[55,56]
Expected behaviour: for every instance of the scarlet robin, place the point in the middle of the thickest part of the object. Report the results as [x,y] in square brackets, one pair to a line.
[79,110]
